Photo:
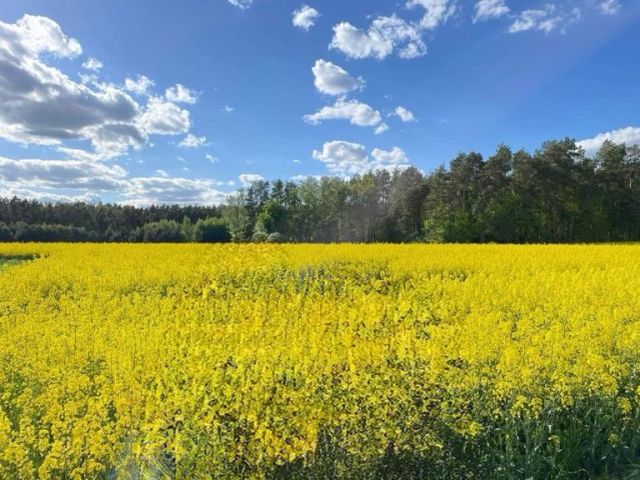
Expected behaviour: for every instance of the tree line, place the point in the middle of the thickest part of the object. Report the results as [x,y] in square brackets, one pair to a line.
[555,194]
[30,220]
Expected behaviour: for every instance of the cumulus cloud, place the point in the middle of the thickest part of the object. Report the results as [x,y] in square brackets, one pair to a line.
[305,17]
[68,174]
[249,178]
[380,129]
[436,11]
[92,64]
[164,118]
[490,9]
[32,35]
[355,112]
[180,94]
[343,158]
[385,36]
[164,190]
[394,158]
[334,80]
[404,114]
[346,158]
[140,85]
[46,196]
[35,178]
[115,139]
[191,141]
[39,104]
[628,135]
[546,20]
[241,4]
[610,7]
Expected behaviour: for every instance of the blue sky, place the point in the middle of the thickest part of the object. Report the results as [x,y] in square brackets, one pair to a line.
[165,101]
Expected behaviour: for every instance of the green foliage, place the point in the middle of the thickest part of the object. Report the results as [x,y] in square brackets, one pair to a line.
[260,234]
[187,229]
[23,232]
[211,230]
[88,222]
[6,235]
[237,218]
[161,232]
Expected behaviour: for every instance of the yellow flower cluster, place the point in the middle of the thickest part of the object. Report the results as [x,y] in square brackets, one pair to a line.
[256,361]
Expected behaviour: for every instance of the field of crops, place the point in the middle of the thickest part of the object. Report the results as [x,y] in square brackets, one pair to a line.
[350,361]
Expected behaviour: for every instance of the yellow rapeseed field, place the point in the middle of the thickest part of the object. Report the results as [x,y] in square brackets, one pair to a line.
[308,361]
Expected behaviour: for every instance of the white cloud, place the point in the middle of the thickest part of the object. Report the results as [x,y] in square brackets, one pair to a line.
[67,174]
[39,104]
[355,112]
[92,64]
[139,86]
[163,190]
[180,94]
[32,35]
[303,178]
[241,4]
[628,135]
[387,35]
[384,36]
[305,17]
[211,158]
[249,178]
[404,114]
[84,155]
[115,139]
[380,129]
[395,158]
[436,11]
[46,196]
[546,20]
[334,80]
[343,158]
[88,78]
[229,109]
[164,118]
[162,173]
[191,141]
[610,7]
[347,158]
[490,9]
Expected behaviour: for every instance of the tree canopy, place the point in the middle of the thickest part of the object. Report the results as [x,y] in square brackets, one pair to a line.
[555,194]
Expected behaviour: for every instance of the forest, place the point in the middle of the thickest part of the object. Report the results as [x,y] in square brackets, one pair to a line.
[557,194]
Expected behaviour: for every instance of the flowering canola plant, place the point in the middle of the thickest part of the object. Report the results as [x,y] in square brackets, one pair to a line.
[310,361]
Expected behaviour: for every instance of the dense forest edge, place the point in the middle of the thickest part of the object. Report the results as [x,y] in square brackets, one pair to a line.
[558,194]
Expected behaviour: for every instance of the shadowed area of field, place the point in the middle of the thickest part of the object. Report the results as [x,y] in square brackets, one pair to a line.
[12,260]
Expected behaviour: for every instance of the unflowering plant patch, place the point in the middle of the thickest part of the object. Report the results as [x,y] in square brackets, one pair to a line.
[310,361]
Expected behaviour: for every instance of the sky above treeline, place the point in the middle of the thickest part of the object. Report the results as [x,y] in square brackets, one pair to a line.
[183,102]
